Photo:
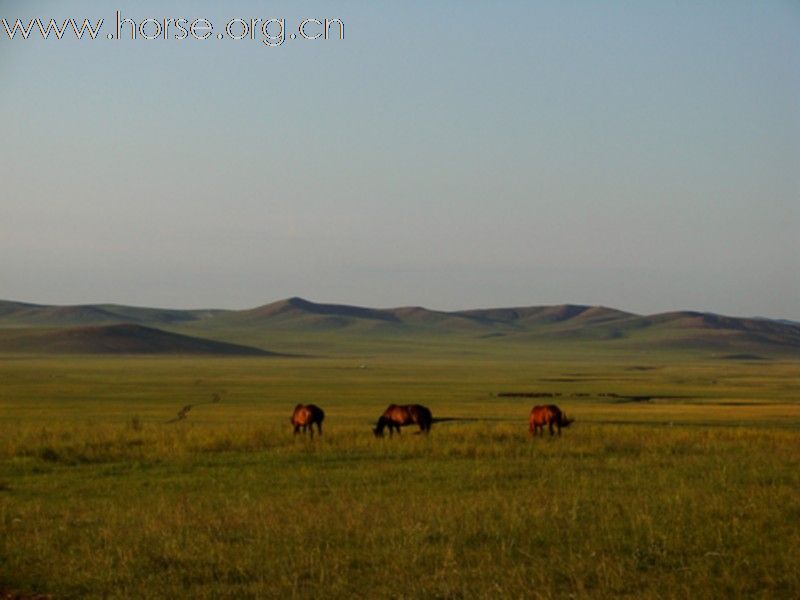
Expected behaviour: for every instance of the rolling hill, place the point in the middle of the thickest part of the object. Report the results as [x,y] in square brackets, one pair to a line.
[297,323]
[115,339]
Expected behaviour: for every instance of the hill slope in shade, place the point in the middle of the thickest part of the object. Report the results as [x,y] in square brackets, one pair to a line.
[20,314]
[115,339]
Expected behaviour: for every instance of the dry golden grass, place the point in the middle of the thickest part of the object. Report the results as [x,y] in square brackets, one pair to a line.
[690,497]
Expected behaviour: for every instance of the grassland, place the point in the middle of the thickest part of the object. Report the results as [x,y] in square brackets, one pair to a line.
[692,494]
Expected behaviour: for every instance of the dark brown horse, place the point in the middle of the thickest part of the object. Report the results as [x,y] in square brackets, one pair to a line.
[549,415]
[396,416]
[305,416]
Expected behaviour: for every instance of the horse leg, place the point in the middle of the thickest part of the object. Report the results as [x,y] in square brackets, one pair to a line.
[319,427]
[296,429]
[550,425]
[311,430]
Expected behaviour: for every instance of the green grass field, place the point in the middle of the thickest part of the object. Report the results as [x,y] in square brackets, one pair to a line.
[694,493]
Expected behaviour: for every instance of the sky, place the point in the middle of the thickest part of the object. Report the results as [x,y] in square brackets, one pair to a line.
[643,155]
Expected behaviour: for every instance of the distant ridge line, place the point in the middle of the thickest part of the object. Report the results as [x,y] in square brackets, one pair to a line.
[564,323]
[382,313]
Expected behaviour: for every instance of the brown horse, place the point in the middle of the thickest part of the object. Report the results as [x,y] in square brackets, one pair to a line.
[395,417]
[305,416]
[547,415]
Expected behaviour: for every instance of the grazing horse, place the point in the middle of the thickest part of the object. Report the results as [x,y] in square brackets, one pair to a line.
[548,415]
[396,416]
[305,416]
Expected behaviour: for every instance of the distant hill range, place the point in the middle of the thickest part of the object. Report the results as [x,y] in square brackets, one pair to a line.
[108,328]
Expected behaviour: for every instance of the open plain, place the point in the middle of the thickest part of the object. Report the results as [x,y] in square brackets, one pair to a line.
[679,478]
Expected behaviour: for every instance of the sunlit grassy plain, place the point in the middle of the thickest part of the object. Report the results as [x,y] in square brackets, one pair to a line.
[693,496]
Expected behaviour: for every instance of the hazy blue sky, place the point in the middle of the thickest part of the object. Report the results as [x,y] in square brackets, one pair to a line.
[642,155]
